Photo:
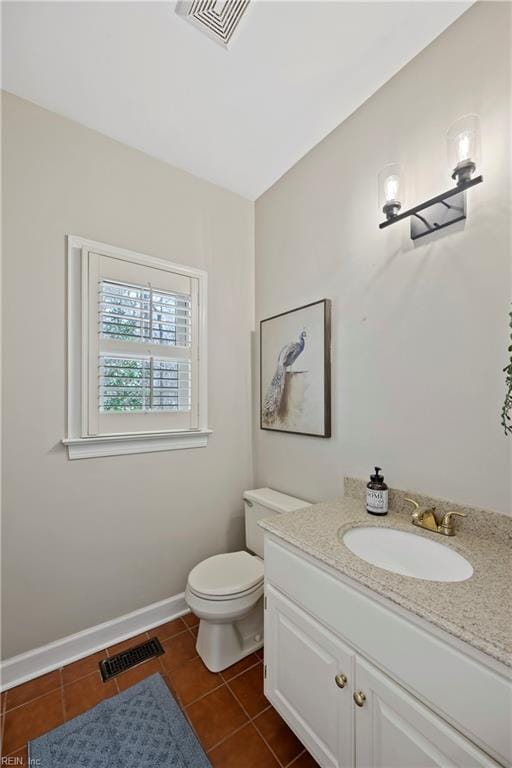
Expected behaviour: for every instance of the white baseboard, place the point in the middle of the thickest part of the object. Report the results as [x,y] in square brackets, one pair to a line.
[26,666]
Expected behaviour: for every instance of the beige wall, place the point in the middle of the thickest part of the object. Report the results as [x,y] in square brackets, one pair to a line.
[86,541]
[419,331]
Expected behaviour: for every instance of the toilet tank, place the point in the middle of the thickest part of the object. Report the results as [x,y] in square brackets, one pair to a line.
[264,502]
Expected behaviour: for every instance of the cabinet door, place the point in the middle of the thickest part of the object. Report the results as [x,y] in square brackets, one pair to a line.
[394,730]
[304,664]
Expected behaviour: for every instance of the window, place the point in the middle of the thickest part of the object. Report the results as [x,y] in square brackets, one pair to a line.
[137,352]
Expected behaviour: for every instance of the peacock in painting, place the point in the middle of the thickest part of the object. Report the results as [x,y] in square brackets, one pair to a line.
[272,405]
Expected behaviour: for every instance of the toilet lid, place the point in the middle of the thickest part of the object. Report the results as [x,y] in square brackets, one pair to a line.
[227,574]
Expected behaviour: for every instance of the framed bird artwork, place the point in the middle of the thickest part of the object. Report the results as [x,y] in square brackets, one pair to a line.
[295,371]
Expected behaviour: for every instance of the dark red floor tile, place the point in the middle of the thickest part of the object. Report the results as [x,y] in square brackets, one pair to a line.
[21,694]
[305,761]
[85,693]
[281,740]
[190,619]
[244,749]
[216,716]
[192,680]
[32,720]
[167,630]
[19,759]
[178,650]
[240,666]
[248,689]
[82,667]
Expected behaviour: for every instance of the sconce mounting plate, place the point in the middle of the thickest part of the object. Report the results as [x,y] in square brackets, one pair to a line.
[438,215]
[438,212]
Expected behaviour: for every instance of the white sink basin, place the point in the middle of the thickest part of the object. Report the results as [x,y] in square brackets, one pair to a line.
[407,554]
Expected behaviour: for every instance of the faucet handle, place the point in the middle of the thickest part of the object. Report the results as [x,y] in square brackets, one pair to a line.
[415,513]
[446,526]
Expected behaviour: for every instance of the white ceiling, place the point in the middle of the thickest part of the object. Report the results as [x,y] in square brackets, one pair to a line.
[241,117]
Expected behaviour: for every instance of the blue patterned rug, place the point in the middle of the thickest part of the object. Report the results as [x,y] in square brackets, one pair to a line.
[143,727]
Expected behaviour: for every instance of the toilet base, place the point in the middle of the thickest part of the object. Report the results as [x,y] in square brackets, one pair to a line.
[221,644]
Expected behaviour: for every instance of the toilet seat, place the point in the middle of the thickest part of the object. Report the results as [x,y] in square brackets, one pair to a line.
[226,577]
[226,598]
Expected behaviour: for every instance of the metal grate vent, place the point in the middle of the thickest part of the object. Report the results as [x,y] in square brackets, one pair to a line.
[130,658]
[217,18]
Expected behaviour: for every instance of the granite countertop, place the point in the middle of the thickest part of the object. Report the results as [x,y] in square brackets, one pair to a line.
[477,611]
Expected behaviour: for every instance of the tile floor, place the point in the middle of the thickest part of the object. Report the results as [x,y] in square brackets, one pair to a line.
[233,720]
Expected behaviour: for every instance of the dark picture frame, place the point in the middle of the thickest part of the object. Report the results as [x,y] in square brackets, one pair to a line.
[280,388]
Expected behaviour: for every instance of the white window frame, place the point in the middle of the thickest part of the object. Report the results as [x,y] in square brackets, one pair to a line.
[82,446]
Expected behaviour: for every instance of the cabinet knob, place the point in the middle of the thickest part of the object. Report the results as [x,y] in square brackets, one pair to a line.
[359,698]
[340,680]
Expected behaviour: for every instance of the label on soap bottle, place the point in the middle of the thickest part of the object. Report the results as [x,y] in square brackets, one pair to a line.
[377,501]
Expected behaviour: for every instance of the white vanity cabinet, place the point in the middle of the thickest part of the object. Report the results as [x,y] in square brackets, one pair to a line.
[308,674]
[395,730]
[362,687]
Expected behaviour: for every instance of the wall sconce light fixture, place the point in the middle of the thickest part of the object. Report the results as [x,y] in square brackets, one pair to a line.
[463,143]
[390,190]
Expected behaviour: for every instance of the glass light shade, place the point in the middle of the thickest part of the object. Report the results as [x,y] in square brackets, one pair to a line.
[464,148]
[390,189]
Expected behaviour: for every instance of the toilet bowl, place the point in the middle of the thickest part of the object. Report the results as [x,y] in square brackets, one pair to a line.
[226,591]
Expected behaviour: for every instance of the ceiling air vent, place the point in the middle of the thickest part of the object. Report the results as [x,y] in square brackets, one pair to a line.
[216,18]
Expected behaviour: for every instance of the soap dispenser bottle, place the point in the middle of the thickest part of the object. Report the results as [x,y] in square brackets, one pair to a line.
[377,494]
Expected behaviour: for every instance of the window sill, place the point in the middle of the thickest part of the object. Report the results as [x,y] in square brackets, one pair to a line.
[118,445]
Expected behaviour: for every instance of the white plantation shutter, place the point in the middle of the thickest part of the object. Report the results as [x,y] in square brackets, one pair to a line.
[144,314]
[148,318]
[135,385]
[142,348]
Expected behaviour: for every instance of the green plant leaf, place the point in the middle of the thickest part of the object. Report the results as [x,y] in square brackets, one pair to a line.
[506,411]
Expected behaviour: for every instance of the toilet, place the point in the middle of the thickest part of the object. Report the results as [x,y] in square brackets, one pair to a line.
[226,591]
